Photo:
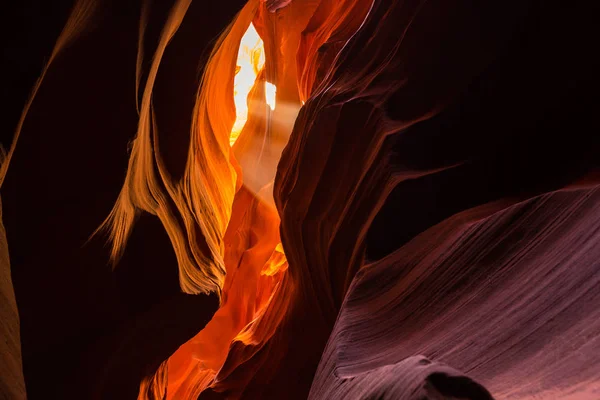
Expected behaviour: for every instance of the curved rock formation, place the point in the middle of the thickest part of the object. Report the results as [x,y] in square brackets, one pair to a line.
[12,385]
[399,202]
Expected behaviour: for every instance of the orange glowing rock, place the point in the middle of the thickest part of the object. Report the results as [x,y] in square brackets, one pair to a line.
[263,87]
[341,226]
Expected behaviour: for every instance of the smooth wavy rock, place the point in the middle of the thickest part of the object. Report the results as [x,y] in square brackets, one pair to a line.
[510,298]
[411,209]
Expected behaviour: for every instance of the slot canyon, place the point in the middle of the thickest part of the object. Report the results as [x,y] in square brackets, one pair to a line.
[300,199]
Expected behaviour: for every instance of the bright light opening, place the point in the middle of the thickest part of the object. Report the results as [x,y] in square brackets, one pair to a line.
[270,91]
[250,60]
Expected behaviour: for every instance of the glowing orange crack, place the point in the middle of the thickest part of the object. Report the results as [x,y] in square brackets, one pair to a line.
[254,256]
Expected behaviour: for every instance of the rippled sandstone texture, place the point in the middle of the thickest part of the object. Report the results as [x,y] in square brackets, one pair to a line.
[12,385]
[437,199]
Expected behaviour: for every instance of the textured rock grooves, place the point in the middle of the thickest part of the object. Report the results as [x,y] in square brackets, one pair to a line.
[12,385]
[428,228]
[495,296]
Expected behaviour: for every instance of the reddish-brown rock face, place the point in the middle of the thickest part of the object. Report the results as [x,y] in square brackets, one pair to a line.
[371,200]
